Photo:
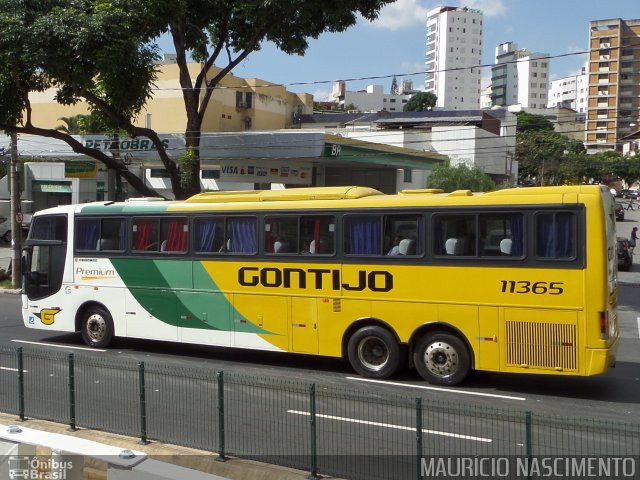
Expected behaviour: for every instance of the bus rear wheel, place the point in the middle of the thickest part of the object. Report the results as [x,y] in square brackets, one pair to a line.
[97,327]
[374,352]
[442,359]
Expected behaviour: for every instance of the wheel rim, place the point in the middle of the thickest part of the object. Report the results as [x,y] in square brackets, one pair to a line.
[96,327]
[373,353]
[441,359]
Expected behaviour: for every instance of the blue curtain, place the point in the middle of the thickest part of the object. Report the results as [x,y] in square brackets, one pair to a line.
[243,236]
[555,235]
[363,236]
[87,235]
[517,236]
[206,235]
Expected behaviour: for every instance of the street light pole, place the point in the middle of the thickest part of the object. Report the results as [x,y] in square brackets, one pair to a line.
[16,227]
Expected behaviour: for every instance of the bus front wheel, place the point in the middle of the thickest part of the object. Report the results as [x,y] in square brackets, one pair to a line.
[97,327]
[374,352]
[441,359]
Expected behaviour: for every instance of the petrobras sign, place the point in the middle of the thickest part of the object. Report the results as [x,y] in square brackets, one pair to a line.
[266,171]
[137,147]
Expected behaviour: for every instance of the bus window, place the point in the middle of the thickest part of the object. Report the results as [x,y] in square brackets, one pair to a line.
[455,235]
[49,227]
[363,235]
[317,233]
[555,236]
[209,235]
[241,236]
[93,234]
[401,235]
[501,234]
[281,235]
[174,235]
[145,235]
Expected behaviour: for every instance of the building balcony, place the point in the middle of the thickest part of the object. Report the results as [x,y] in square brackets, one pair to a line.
[605,45]
[603,70]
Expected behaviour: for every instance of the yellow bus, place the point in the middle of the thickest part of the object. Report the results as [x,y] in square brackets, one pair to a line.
[518,280]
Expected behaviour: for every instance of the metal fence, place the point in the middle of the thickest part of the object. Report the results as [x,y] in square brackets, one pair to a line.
[312,427]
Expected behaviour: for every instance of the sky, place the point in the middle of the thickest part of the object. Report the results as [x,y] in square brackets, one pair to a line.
[371,53]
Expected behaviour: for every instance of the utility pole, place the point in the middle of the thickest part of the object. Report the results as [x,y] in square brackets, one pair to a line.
[16,226]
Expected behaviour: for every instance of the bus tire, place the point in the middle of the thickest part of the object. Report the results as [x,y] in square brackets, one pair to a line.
[97,327]
[374,352]
[442,359]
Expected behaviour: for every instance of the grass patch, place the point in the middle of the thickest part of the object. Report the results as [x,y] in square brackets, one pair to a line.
[6,283]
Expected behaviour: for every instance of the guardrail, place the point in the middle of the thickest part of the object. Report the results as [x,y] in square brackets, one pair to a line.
[318,428]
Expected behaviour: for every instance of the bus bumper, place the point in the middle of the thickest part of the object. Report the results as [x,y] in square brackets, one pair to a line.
[599,360]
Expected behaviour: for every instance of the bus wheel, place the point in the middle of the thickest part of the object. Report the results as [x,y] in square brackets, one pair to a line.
[442,359]
[374,352]
[97,327]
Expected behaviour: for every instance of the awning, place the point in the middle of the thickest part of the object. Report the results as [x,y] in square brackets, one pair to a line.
[51,186]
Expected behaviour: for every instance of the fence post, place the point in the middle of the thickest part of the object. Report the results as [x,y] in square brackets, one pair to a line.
[72,394]
[143,405]
[529,447]
[221,454]
[314,449]
[419,450]
[20,385]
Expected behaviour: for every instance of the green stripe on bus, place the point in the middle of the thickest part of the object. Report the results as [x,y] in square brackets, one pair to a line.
[153,207]
[165,290]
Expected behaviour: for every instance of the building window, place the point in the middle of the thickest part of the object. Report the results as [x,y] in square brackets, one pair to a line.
[210,174]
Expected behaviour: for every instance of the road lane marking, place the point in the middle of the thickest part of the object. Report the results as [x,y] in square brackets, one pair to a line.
[59,346]
[638,326]
[439,389]
[12,369]
[395,427]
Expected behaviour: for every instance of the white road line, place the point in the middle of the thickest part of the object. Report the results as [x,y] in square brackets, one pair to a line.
[59,346]
[11,369]
[424,387]
[396,427]
[638,326]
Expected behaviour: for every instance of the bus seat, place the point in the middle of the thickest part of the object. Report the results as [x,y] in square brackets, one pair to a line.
[407,246]
[105,244]
[505,246]
[454,246]
[280,246]
[312,246]
[163,246]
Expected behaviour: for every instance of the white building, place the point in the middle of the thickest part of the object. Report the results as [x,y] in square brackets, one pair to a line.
[454,56]
[519,77]
[373,99]
[570,92]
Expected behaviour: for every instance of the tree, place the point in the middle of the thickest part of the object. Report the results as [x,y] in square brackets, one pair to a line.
[421,102]
[103,53]
[460,177]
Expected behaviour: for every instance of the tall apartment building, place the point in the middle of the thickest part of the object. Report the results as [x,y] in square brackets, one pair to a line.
[570,92]
[454,56]
[519,77]
[613,109]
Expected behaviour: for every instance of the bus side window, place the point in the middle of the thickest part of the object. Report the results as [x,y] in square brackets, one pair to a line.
[241,235]
[455,235]
[208,234]
[555,235]
[174,235]
[145,235]
[318,234]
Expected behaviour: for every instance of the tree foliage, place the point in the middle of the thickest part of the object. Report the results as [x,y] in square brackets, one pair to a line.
[103,53]
[460,177]
[421,102]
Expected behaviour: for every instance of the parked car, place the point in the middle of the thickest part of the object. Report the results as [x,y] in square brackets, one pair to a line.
[5,229]
[625,259]
[619,212]
[632,194]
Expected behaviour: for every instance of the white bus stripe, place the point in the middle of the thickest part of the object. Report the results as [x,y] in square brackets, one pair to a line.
[439,389]
[396,427]
[59,346]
